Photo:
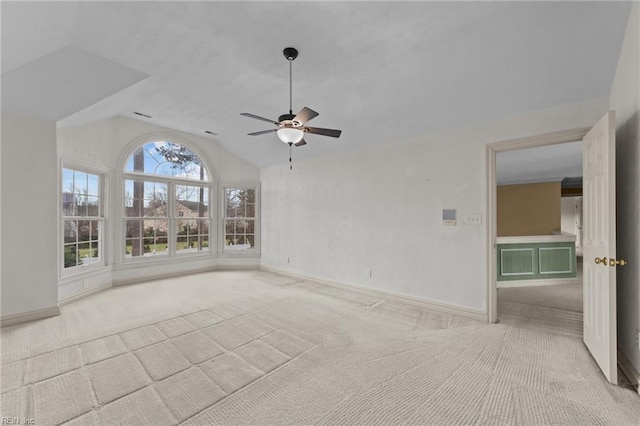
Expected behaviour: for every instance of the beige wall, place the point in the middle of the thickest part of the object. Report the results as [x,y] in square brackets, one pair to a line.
[529,209]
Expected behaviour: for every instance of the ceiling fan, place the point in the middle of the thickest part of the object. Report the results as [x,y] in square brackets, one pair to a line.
[291,128]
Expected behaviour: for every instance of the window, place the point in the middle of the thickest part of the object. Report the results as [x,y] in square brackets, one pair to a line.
[82,219]
[147,221]
[166,193]
[192,224]
[240,210]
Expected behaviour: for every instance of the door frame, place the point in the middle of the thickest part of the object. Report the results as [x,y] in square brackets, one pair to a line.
[492,214]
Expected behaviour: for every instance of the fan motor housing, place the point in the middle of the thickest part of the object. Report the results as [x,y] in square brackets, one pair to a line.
[286,117]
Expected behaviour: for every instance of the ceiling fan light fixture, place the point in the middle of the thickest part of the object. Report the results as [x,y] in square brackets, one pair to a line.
[290,135]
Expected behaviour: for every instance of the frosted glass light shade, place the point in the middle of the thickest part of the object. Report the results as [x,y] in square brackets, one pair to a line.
[289,135]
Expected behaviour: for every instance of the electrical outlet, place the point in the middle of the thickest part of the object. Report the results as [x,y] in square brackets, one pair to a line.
[473,219]
[288,259]
[367,272]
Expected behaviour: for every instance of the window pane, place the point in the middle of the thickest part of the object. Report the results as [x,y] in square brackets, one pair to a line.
[95,230]
[250,241]
[68,204]
[149,244]
[240,202]
[230,211]
[134,228]
[132,208]
[70,231]
[67,180]
[84,253]
[133,247]
[184,227]
[193,243]
[203,227]
[81,205]
[156,227]
[229,227]
[150,239]
[95,253]
[165,158]
[84,230]
[181,243]
[93,187]
[191,201]
[70,256]
[251,226]
[250,195]
[93,206]
[80,183]
[155,208]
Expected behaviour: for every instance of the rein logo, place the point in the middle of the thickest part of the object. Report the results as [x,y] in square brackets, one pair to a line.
[17,421]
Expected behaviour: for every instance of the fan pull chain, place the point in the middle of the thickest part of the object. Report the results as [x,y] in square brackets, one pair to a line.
[290,162]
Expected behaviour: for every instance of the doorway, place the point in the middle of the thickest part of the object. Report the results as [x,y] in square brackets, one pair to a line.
[539,275]
[492,224]
[599,243]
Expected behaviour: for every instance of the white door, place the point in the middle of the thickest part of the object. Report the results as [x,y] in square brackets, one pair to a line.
[599,244]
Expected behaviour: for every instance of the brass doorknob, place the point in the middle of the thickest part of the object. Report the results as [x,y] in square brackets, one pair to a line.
[604,261]
[617,262]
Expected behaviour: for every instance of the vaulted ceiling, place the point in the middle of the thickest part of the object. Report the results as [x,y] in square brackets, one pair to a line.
[380,71]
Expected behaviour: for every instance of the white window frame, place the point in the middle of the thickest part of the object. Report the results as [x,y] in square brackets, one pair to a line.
[101,218]
[172,217]
[223,186]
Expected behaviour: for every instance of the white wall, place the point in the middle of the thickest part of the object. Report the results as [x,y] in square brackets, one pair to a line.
[380,208]
[105,145]
[568,214]
[625,100]
[29,215]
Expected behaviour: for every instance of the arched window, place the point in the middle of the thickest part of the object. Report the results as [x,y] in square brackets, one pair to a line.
[166,201]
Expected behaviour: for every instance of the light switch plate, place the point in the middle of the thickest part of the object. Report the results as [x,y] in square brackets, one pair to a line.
[473,219]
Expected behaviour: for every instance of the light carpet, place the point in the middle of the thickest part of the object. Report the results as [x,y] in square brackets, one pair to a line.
[251,347]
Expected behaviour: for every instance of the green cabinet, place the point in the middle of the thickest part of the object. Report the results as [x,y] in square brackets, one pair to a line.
[536,261]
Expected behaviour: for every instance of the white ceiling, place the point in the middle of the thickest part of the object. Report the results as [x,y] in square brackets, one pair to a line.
[540,164]
[380,71]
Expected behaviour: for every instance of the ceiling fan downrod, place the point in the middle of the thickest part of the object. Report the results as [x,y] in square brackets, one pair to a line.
[290,53]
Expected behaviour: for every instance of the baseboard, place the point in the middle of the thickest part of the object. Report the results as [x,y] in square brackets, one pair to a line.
[30,316]
[536,283]
[84,294]
[146,278]
[389,295]
[238,267]
[629,370]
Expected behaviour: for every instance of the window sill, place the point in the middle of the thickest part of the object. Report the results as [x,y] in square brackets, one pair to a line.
[143,261]
[83,272]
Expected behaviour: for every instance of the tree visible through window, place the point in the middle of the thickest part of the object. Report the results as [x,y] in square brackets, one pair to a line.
[82,218]
[240,218]
[165,213]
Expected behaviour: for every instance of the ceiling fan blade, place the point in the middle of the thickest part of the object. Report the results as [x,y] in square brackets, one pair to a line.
[257,117]
[305,115]
[324,132]
[262,132]
[302,142]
